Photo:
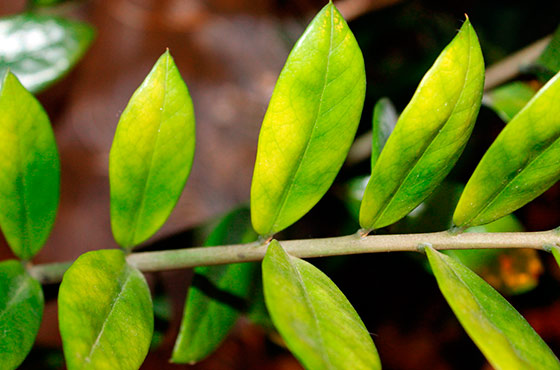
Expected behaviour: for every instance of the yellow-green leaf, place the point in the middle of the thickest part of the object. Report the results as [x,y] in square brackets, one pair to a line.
[319,325]
[21,310]
[310,123]
[29,170]
[499,331]
[521,164]
[430,134]
[105,313]
[152,154]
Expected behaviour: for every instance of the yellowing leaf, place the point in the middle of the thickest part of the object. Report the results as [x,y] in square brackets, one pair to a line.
[430,134]
[152,154]
[105,313]
[319,325]
[310,123]
[520,165]
[29,170]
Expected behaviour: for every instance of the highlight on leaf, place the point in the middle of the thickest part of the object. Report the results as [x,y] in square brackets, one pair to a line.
[310,123]
[152,154]
[430,134]
[48,47]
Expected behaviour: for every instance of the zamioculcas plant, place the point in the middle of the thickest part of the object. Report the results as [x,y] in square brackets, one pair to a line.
[106,314]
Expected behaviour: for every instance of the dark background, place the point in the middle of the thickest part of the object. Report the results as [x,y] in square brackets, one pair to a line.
[230,54]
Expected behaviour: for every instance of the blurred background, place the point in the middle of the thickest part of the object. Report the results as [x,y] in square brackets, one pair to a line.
[230,53]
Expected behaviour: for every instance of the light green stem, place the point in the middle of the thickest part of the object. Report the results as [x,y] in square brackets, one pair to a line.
[306,248]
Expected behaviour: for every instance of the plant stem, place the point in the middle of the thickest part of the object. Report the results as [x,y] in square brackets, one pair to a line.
[306,248]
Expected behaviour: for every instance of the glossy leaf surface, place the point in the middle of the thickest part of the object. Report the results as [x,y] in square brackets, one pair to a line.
[520,165]
[217,294]
[319,325]
[499,331]
[430,134]
[509,99]
[29,170]
[40,49]
[152,154]
[21,310]
[105,313]
[310,123]
[385,118]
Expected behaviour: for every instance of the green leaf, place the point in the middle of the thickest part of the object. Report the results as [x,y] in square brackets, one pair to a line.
[550,58]
[105,313]
[430,134]
[556,253]
[40,49]
[47,2]
[21,310]
[499,331]
[310,123]
[509,99]
[152,154]
[385,118]
[319,325]
[519,166]
[29,170]
[217,295]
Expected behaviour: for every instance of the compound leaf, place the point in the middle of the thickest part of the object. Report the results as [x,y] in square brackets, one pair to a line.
[105,313]
[152,154]
[521,164]
[310,123]
[21,310]
[430,134]
[40,49]
[319,325]
[217,295]
[499,331]
[29,170]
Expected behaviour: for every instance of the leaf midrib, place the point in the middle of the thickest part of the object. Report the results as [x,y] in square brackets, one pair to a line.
[140,209]
[294,173]
[127,277]
[309,304]
[14,297]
